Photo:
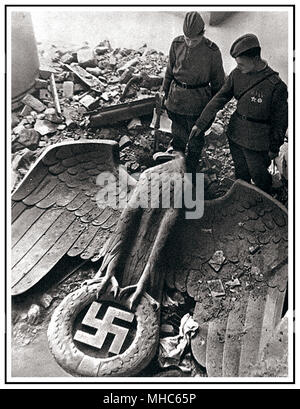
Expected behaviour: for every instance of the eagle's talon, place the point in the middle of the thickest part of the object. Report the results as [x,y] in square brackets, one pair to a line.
[102,281]
[115,289]
[155,304]
[127,289]
[134,297]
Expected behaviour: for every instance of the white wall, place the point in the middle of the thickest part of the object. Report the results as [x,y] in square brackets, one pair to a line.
[132,29]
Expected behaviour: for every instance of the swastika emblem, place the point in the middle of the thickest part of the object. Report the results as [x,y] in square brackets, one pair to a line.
[104,327]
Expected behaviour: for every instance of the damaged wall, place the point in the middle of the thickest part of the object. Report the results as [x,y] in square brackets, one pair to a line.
[131,29]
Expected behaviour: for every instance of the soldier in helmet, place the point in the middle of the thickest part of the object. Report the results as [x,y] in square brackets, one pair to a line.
[257,128]
[194,74]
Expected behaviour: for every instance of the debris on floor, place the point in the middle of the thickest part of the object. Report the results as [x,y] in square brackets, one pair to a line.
[171,349]
[78,90]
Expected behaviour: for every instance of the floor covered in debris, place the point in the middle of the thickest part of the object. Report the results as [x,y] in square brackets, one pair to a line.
[35,126]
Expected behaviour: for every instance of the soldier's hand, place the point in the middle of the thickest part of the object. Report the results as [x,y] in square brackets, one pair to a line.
[194,132]
[163,97]
[272,155]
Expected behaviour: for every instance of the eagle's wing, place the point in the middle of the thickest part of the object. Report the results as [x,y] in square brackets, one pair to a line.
[252,231]
[56,210]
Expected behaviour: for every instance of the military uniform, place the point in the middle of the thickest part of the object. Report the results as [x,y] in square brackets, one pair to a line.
[258,125]
[192,77]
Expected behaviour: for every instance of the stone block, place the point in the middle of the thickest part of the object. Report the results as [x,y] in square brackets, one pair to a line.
[34,103]
[44,127]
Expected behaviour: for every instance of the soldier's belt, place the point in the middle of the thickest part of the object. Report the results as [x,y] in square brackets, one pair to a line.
[247,118]
[186,86]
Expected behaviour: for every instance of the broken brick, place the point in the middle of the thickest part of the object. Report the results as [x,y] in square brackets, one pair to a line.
[34,103]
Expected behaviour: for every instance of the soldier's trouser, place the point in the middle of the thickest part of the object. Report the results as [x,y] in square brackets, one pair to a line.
[251,164]
[181,129]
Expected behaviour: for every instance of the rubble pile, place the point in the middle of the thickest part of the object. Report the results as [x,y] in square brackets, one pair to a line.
[75,84]
[106,72]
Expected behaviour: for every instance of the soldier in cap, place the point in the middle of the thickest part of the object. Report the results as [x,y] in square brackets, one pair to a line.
[194,74]
[257,128]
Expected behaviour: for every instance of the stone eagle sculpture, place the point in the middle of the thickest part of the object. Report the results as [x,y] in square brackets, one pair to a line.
[232,261]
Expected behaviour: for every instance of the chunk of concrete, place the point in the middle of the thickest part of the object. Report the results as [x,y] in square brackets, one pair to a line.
[44,127]
[217,260]
[88,101]
[86,58]
[27,138]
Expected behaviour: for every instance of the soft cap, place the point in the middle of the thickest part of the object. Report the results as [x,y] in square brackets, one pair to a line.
[244,43]
[193,24]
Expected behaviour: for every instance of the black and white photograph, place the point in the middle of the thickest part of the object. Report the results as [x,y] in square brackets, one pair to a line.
[149,194]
